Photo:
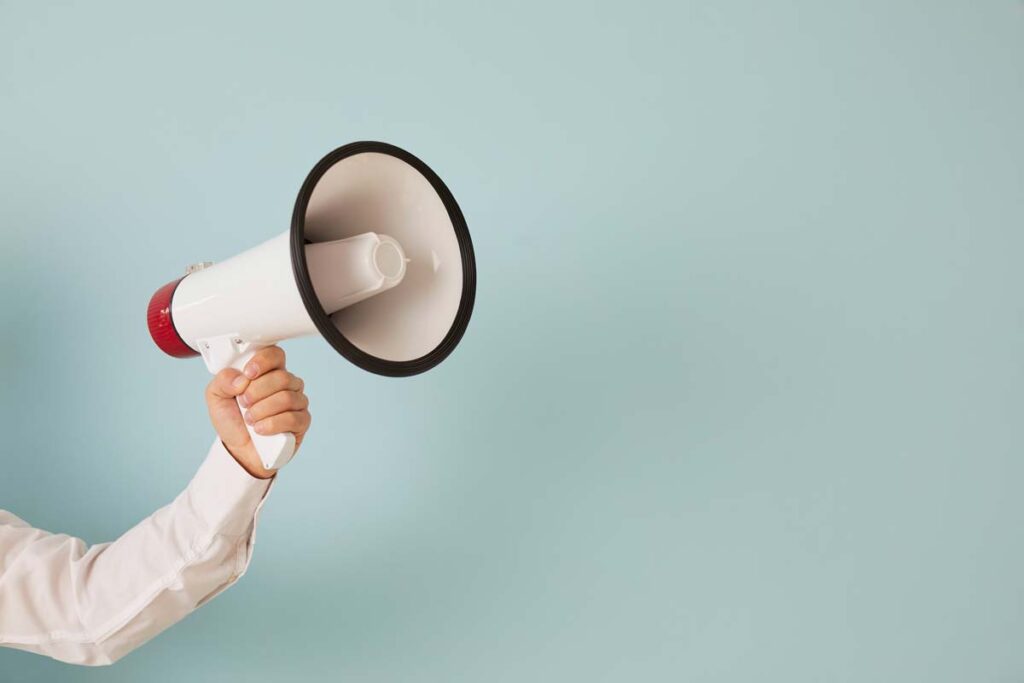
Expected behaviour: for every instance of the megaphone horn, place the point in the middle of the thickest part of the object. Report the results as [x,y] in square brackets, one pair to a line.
[378,260]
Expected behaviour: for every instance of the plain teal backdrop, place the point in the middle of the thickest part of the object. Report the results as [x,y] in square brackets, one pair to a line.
[743,395]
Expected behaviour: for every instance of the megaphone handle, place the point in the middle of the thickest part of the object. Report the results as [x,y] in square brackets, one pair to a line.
[232,351]
[275,450]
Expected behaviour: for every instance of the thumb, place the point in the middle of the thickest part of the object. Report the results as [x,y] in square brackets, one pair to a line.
[224,413]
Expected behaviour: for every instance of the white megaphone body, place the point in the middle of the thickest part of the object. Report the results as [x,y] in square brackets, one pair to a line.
[378,260]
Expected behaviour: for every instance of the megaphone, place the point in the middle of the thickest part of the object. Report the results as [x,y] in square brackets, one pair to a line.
[378,260]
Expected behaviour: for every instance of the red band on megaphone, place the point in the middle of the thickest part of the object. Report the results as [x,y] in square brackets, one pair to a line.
[161,324]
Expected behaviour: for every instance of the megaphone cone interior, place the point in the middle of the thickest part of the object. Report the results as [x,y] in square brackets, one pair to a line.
[371,187]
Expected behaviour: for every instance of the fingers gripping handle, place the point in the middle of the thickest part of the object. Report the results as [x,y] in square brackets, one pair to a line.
[231,352]
[276,449]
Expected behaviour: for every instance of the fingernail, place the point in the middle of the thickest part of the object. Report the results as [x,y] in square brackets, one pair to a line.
[243,401]
[251,370]
[248,417]
[240,382]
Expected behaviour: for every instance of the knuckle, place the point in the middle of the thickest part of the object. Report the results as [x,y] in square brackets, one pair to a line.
[254,392]
[273,355]
[263,387]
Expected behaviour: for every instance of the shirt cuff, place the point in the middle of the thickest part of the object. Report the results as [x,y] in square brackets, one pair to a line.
[224,495]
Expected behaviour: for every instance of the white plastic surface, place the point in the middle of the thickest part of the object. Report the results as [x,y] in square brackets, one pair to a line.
[252,295]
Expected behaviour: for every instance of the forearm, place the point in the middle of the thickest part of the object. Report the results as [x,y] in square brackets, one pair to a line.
[94,605]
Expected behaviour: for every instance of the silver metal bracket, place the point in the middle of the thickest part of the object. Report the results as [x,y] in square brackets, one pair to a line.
[196,267]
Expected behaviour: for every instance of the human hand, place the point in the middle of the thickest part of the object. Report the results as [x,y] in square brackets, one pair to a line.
[273,402]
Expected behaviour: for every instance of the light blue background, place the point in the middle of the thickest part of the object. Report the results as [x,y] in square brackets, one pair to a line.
[743,395]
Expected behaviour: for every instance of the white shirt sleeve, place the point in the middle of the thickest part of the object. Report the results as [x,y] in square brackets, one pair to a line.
[93,605]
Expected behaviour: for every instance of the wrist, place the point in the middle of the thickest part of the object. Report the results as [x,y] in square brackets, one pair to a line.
[248,459]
